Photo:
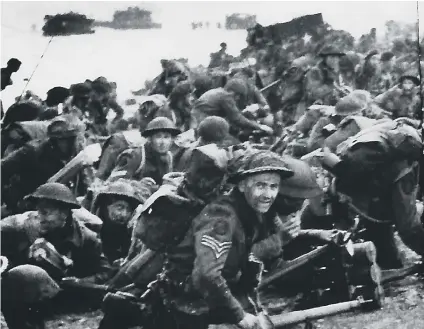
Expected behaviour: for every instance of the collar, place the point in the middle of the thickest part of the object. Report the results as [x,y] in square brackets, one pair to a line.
[71,233]
[257,226]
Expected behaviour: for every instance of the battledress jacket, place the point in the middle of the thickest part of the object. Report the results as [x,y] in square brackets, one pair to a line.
[213,259]
[29,167]
[143,161]
[19,232]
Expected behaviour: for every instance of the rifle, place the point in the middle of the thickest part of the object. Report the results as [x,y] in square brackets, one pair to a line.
[86,157]
[296,317]
[276,82]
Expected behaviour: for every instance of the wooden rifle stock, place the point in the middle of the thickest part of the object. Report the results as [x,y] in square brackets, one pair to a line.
[282,320]
[292,265]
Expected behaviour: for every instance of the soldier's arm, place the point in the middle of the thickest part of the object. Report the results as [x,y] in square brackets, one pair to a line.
[127,164]
[17,162]
[116,108]
[315,87]
[112,148]
[235,117]
[381,100]
[259,97]
[213,234]
[316,139]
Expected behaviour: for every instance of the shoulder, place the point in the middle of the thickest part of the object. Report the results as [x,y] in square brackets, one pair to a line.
[84,234]
[221,210]
[20,222]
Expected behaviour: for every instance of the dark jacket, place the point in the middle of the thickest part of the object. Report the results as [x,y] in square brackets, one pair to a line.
[319,85]
[27,168]
[220,103]
[216,249]
[399,104]
[77,242]
[143,161]
[113,147]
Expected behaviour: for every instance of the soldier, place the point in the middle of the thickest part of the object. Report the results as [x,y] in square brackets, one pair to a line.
[403,99]
[34,163]
[322,82]
[387,79]
[203,268]
[77,102]
[201,85]
[52,239]
[291,198]
[382,185]
[211,130]
[254,95]
[115,205]
[102,99]
[226,103]
[17,134]
[368,75]
[347,116]
[13,66]
[178,106]
[153,159]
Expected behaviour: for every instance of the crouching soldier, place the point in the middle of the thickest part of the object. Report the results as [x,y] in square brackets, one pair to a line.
[33,164]
[152,159]
[348,119]
[218,247]
[164,227]
[50,239]
[379,182]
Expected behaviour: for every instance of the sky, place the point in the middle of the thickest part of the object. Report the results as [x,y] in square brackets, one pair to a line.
[357,17]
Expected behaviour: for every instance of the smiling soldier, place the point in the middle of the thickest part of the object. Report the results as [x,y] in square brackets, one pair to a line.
[204,267]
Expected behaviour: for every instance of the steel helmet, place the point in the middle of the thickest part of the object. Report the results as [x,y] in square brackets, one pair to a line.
[55,192]
[135,192]
[303,184]
[60,127]
[160,124]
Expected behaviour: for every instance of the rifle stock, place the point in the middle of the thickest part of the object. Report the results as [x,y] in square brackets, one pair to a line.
[292,265]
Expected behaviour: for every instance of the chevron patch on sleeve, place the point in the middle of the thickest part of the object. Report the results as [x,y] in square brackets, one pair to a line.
[219,248]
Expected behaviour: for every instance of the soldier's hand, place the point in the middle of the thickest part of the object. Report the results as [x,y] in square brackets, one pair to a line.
[249,321]
[266,129]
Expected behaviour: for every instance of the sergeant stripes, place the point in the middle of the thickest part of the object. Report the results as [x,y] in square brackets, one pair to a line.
[219,248]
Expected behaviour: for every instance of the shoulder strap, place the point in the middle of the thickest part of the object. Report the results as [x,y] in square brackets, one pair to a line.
[143,160]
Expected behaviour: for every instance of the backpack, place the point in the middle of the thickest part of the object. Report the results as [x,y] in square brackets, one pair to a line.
[371,152]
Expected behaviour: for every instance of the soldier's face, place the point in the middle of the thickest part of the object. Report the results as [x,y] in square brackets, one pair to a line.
[51,218]
[66,146]
[161,142]
[387,65]
[333,62]
[260,190]
[119,212]
[407,86]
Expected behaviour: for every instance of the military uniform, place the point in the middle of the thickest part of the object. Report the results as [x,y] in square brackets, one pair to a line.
[33,164]
[388,196]
[144,161]
[113,147]
[79,243]
[71,250]
[400,104]
[136,163]
[219,102]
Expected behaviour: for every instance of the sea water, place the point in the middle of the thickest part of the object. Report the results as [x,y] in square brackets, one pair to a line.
[127,57]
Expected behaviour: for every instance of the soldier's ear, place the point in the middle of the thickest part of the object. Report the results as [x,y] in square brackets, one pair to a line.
[242,186]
